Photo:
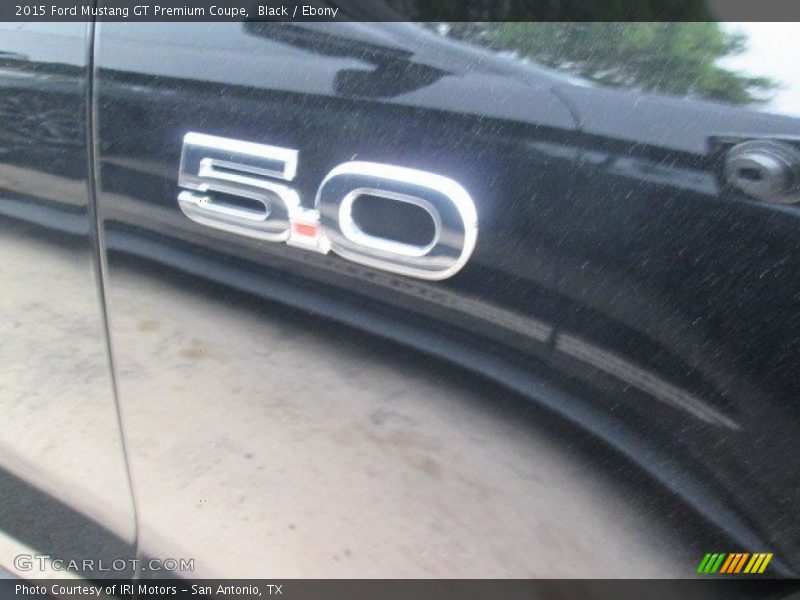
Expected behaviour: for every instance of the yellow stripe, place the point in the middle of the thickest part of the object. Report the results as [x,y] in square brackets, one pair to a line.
[753,560]
[728,562]
[757,564]
[742,560]
[765,563]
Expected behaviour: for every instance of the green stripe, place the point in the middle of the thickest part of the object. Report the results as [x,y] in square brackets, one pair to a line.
[710,563]
[718,564]
[702,567]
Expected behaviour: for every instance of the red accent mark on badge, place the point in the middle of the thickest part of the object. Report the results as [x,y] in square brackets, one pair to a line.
[306,229]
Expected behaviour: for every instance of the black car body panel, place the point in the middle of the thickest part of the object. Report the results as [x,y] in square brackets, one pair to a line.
[63,479]
[621,301]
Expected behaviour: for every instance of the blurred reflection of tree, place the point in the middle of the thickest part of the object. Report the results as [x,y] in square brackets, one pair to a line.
[673,58]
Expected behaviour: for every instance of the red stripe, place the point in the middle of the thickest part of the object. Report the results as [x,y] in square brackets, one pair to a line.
[305,229]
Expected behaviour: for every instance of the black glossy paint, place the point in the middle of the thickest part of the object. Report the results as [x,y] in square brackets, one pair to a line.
[612,281]
[615,282]
[64,489]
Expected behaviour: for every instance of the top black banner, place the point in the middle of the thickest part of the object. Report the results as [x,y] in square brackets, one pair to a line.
[399,10]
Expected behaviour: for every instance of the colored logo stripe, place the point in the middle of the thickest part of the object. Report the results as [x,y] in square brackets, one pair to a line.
[703,563]
[742,560]
[731,560]
[720,562]
[758,563]
[734,563]
[710,563]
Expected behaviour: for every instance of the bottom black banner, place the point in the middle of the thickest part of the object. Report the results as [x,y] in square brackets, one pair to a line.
[370,589]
